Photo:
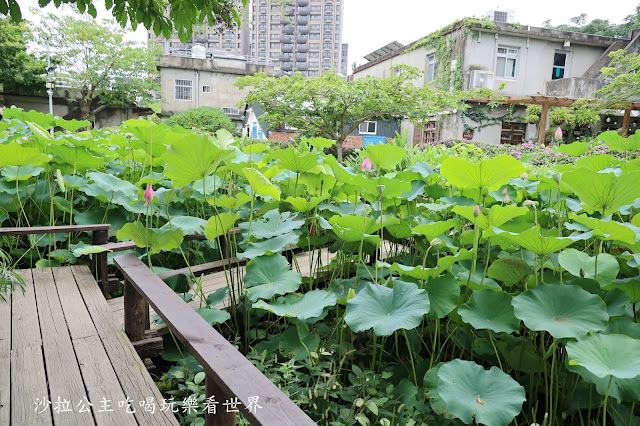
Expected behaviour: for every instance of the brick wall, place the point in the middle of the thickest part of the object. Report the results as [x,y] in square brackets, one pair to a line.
[353,142]
[282,136]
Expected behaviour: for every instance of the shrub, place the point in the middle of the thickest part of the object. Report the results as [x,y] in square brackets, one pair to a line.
[205,119]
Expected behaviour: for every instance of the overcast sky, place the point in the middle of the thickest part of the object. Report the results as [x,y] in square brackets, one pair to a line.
[371,24]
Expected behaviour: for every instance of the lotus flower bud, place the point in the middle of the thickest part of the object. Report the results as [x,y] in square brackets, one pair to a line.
[524,176]
[476,211]
[530,203]
[436,243]
[380,188]
[366,165]
[504,191]
[507,200]
[148,195]
[558,178]
[558,134]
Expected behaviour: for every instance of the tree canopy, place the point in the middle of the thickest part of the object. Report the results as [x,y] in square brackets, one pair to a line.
[623,76]
[97,62]
[603,27]
[164,17]
[20,71]
[333,107]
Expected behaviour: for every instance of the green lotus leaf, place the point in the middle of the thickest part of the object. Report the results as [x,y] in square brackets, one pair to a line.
[575,149]
[319,143]
[472,393]
[430,382]
[230,203]
[562,310]
[606,229]
[387,310]
[192,157]
[260,184]
[218,296]
[293,160]
[496,216]
[189,225]
[615,142]
[46,121]
[72,125]
[75,158]
[606,355]
[81,251]
[488,174]
[272,224]
[13,154]
[384,156]
[510,270]
[433,230]
[155,240]
[532,239]
[623,326]
[213,316]
[303,205]
[62,255]
[20,173]
[219,225]
[310,305]
[270,246]
[630,285]
[48,263]
[597,162]
[580,264]
[110,189]
[420,273]
[353,229]
[491,310]
[602,192]
[269,276]
[443,293]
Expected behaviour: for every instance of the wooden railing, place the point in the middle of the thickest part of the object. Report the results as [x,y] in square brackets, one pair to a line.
[228,373]
[100,236]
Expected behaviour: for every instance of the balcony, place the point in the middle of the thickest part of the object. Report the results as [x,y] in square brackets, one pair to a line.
[303,11]
[302,48]
[573,87]
[287,47]
[303,3]
[301,57]
[301,39]
[290,10]
[301,67]
[302,20]
[288,29]
[303,29]
[286,66]
[286,38]
[284,57]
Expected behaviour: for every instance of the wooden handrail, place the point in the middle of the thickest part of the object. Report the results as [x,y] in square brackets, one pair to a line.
[228,373]
[53,229]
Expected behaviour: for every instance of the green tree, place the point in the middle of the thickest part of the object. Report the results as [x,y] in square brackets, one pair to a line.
[98,63]
[332,107]
[623,76]
[600,26]
[19,71]
[163,16]
[203,118]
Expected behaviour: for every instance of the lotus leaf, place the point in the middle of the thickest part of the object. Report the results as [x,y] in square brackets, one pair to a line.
[13,154]
[533,240]
[580,264]
[443,293]
[602,192]
[384,156]
[472,393]
[295,161]
[260,184]
[492,310]
[387,310]
[304,307]
[488,174]
[270,246]
[191,158]
[268,276]
[510,270]
[606,229]
[219,225]
[154,239]
[562,310]
[272,224]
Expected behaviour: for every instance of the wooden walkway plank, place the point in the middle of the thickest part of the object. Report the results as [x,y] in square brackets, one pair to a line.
[131,371]
[63,374]
[5,360]
[98,375]
[28,378]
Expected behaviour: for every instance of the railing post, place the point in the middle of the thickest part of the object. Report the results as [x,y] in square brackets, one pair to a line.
[217,415]
[101,237]
[135,317]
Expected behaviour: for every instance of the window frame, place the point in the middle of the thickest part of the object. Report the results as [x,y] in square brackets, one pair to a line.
[565,67]
[431,68]
[431,131]
[206,88]
[516,128]
[507,55]
[184,88]
[368,132]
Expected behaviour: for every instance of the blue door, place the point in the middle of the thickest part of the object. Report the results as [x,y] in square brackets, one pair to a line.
[373,140]
[254,132]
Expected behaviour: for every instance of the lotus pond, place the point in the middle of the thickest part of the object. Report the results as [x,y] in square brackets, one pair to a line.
[458,290]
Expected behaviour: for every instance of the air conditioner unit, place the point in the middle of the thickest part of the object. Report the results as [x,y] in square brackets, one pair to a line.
[480,79]
[502,16]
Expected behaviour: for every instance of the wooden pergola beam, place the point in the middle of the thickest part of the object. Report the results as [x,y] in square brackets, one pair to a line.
[543,123]
[625,122]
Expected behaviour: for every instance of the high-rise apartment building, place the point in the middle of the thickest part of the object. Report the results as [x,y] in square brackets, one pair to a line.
[293,35]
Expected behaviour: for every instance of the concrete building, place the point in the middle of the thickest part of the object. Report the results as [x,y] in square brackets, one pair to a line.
[193,82]
[524,63]
[294,36]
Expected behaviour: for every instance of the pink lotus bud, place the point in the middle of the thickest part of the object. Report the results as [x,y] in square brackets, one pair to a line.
[504,191]
[148,194]
[476,211]
[507,200]
[558,134]
[366,165]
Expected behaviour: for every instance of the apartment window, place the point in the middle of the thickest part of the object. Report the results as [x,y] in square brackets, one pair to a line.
[262,27]
[183,89]
[314,45]
[300,64]
[560,59]
[431,68]
[506,64]
[314,36]
[273,54]
[431,131]
[275,26]
[315,27]
[262,37]
[512,132]
[214,45]
[230,110]
[368,128]
[337,37]
[263,18]
[328,18]
[328,27]
[262,45]
[228,45]
[206,89]
[316,8]
[326,65]
[328,9]
[315,17]
[326,45]
[274,45]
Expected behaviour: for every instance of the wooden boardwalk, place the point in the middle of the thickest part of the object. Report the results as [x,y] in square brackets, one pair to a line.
[64,360]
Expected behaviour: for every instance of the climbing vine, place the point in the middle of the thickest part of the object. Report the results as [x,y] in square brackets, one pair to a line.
[477,115]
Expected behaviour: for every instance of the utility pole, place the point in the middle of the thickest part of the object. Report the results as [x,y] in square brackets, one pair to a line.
[50,82]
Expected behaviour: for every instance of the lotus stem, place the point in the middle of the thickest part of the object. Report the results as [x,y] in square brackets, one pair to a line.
[413,366]
[606,398]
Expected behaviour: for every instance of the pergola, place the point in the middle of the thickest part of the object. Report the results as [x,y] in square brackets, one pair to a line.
[549,101]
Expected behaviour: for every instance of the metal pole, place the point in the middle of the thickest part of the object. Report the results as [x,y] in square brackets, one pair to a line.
[50,89]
